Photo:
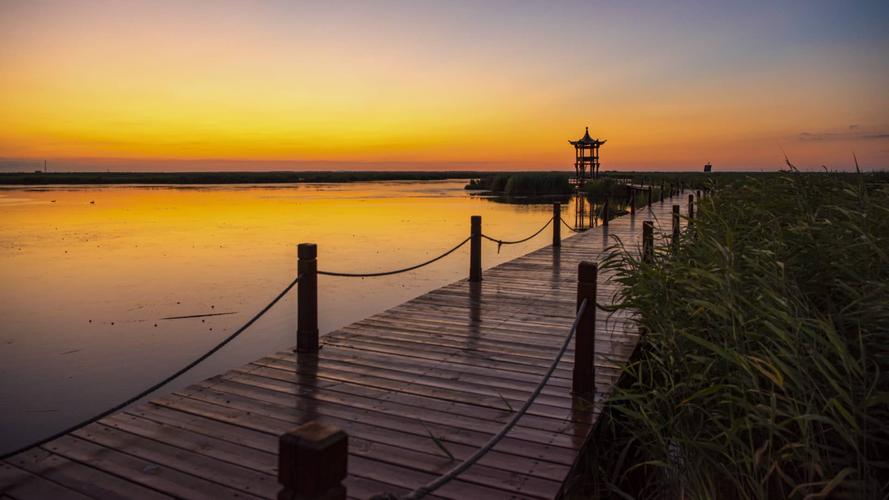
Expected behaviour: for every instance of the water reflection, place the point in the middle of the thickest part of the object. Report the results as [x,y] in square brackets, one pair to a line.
[306,378]
[557,263]
[90,273]
[524,200]
[475,315]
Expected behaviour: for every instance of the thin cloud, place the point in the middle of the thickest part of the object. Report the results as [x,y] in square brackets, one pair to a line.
[852,133]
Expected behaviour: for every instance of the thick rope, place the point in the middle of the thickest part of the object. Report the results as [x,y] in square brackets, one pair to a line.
[500,243]
[397,271]
[160,384]
[569,226]
[431,486]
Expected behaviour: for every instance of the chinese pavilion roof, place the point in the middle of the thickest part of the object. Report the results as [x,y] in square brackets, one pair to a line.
[586,140]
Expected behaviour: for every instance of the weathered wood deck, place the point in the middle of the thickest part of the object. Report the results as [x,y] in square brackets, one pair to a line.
[451,363]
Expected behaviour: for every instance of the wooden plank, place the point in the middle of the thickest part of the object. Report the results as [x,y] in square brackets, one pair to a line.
[420,443]
[144,472]
[18,483]
[182,459]
[299,412]
[499,415]
[269,390]
[81,478]
[467,382]
[489,398]
[265,460]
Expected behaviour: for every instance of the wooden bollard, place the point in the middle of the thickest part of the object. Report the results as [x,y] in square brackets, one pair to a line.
[312,463]
[584,381]
[557,225]
[632,200]
[699,194]
[691,207]
[605,213]
[648,241]
[307,298]
[475,249]
[675,239]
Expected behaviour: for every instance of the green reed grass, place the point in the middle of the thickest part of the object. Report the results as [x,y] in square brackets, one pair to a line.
[764,372]
[524,183]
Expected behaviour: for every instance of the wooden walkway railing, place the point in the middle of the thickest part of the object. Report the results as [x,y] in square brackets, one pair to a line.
[466,383]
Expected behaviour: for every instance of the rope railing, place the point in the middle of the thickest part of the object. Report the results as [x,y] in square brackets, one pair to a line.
[569,226]
[433,485]
[435,259]
[515,242]
[396,271]
[160,384]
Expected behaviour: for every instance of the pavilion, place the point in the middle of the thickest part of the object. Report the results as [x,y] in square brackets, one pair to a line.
[586,158]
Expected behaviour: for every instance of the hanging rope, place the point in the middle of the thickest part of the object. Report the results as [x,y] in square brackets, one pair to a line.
[163,382]
[397,271]
[569,226]
[431,486]
[506,242]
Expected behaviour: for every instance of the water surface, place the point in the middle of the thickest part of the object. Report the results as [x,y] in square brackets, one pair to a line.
[90,273]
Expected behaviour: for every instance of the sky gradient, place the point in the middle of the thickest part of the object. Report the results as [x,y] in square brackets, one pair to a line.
[415,85]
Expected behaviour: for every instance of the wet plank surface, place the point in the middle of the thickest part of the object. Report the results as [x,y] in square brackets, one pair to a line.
[445,369]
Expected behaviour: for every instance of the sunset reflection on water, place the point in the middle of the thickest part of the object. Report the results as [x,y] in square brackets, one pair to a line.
[90,273]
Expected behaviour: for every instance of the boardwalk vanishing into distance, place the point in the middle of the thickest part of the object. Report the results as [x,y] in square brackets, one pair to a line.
[417,389]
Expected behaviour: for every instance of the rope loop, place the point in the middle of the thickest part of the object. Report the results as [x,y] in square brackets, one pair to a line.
[569,226]
[500,243]
[396,271]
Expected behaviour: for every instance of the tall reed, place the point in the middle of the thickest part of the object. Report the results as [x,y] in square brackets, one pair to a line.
[764,370]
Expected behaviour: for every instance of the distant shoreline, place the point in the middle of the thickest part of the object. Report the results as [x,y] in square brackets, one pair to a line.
[89,178]
[297,177]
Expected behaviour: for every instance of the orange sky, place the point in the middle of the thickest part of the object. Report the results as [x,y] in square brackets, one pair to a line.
[416,85]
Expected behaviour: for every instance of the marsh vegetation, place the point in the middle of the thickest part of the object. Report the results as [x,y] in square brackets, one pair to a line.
[764,368]
[282,177]
[523,183]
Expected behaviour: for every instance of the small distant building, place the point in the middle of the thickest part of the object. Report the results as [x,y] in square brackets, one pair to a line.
[586,158]
[708,168]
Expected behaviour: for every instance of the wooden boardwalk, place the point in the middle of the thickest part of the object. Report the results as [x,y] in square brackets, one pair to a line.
[452,364]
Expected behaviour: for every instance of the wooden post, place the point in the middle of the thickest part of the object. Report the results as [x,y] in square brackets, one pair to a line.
[312,462]
[632,200]
[557,224]
[691,207]
[649,196]
[648,241]
[584,381]
[605,213]
[475,249]
[675,239]
[307,298]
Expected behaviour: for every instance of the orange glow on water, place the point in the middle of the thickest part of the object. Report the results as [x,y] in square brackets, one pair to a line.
[89,274]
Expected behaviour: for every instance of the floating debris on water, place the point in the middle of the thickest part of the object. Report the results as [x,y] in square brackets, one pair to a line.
[201,315]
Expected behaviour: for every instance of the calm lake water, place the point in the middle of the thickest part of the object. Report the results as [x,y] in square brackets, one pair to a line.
[90,273]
